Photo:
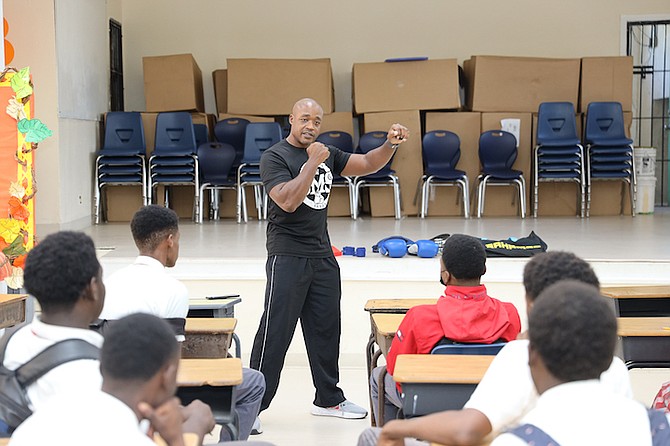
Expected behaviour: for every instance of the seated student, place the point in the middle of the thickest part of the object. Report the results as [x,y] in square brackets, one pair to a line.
[507,379]
[138,363]
[146,287]
[62,272]
[572,332]
[465,313]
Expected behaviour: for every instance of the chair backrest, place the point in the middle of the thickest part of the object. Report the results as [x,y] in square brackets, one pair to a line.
[258,137]
[497,149]
[448,347]
[124,132]
[441,149]
[231,131]
[215,160]
[370,141]
[201,134]
[604,120]
[556,122]
[341,140]
[174,133]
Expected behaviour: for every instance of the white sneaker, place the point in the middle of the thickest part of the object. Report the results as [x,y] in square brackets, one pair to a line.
[256,429]
[346,409]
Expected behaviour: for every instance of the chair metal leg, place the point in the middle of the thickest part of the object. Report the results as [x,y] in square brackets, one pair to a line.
[522,196]
[423,207]
[396,199]
[201,206]
[357,197]
[481,191]
[465,190]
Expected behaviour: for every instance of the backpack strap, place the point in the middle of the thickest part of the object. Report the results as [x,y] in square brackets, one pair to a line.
[533,435]
[660,429]
[53,356]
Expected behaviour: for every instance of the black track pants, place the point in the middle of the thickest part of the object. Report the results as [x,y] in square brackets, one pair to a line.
[309,290]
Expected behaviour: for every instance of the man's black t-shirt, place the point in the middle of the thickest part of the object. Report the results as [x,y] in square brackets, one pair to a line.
[303,233]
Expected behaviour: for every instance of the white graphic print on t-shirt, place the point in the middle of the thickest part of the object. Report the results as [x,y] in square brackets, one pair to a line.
[319,191]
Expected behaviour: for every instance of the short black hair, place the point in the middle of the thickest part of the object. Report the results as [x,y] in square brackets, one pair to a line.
[152,224]
[59,268]
[464,257]
[136,347]
[574,330]
[547,268]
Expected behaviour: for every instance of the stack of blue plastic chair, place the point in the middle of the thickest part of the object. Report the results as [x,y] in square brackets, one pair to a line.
[559,154]
[174,160]
[441,152]
[383,177]
[343,141]
[201,133]
[231,131]
[610,151]
[121,161]
[497,153]
[259,136]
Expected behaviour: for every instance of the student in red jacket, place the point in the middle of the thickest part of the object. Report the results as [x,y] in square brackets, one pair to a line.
[465,313]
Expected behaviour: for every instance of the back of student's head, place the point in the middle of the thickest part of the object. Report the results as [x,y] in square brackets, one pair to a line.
[464,257]
[550,267]
[59,268]
[574,330]
[136,347]
[151,225]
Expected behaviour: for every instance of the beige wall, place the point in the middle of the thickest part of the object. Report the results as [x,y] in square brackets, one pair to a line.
[351,31]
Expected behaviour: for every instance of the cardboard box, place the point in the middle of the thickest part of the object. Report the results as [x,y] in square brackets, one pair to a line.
[504,201]
[338,203]
[342,121]
[519,84]
[149,124]
[172,83]
[606,79]
[272,86]
[555,198]
[121,202]
[407,163]
[445,201]
[220,79]
[416,85]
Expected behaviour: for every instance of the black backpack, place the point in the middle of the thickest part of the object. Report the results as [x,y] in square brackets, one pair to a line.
[14,402]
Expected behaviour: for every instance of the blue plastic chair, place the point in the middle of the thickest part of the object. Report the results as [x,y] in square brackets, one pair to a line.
[497,153]
[383,177]
[121,160]
[231,131]
[174,160]
[215,161]
[559,154]
[441,152]
[610,152]
[343,141]
[259,136]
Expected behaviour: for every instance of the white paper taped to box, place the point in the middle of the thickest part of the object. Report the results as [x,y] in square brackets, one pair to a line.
[513,126]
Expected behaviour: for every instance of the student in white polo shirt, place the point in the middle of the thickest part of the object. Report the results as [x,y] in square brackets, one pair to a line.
[146,287]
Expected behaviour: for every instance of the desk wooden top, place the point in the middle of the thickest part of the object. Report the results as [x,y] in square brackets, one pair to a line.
[6,299]
[637,291]
[643,326]
[441,369]
[387,324]
[209,372]
[4,441]
[207,325]
[395,305]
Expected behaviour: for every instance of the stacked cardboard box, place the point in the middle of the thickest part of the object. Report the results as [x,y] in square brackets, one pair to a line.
[395,92]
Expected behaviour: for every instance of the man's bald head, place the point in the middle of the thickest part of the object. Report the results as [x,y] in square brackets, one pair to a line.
[305,122]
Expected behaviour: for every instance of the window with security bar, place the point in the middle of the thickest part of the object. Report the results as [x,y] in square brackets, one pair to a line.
[648,42]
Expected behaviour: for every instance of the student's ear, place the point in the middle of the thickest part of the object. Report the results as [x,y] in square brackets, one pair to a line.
[170,240]
[169,377]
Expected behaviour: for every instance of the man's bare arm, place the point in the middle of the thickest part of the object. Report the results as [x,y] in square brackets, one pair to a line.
[467,427]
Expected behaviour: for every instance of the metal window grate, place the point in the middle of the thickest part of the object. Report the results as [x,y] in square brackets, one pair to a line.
[649,44]
[115,67]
